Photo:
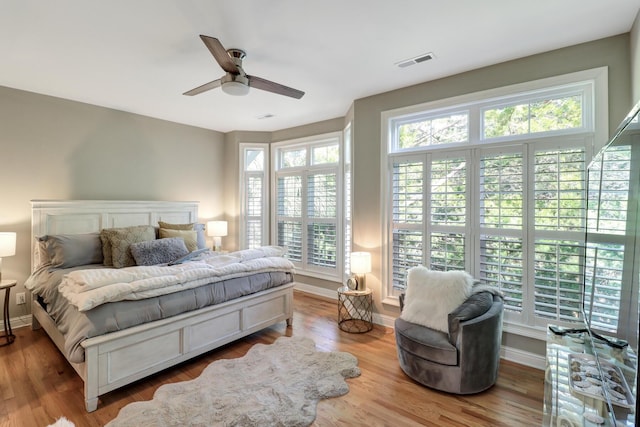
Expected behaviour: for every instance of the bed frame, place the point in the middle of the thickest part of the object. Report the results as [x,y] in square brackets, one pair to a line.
[119,358]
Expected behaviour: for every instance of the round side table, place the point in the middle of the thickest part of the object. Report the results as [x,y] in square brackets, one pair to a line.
[354,310]
[8,333]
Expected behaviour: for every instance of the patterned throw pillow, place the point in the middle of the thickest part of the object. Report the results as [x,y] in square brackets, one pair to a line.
[119,241]
[189,236]
[106,247]
[160,251]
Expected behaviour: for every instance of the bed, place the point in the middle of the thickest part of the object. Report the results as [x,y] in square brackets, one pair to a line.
[221,309]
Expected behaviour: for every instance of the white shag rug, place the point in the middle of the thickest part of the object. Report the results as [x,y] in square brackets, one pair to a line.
[272,385]
[62,422]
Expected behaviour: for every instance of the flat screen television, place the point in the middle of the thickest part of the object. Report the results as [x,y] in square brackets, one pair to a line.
[612,251]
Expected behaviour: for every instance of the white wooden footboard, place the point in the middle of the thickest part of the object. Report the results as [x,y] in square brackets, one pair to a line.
[117,359]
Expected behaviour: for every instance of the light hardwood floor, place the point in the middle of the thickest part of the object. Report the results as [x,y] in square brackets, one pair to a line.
[37,385]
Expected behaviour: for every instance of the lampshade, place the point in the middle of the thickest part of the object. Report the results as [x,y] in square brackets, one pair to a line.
[360,262]
[216,228]
[7,244]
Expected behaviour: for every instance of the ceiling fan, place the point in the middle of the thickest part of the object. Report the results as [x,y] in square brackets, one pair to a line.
[236,81]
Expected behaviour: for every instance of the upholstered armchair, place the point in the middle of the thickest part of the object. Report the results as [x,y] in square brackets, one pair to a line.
[464,359]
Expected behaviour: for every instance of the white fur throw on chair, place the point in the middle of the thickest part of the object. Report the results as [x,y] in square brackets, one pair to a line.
[432,295]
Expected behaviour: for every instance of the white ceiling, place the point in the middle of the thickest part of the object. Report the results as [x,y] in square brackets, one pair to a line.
[141,55]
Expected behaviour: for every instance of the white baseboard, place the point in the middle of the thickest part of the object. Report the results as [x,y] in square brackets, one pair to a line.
[315,290]
[523,357]
[19,322]
[512,354]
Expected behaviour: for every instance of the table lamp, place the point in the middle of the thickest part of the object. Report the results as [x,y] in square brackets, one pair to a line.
[360,266]
[7,246]
[217,229]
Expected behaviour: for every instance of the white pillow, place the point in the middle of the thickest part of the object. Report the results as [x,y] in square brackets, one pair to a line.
[432,295]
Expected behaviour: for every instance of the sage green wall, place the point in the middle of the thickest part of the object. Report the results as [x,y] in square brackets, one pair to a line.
[326,126]
[51,148]
[612,52]
[635,60]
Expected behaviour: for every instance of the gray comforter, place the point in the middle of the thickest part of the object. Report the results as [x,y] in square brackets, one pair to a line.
[76,326]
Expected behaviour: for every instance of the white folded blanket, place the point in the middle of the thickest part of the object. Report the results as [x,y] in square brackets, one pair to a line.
[87,289]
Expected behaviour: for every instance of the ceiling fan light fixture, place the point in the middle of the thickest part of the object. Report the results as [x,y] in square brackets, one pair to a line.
[235,88]
[236,82]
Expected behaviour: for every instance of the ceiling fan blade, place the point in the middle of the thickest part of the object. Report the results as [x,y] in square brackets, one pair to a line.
[205,87]
[220,54]
[269,86]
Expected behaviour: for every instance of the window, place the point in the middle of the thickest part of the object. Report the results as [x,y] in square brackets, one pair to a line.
[554,113]
[253,196]
[495,186]
[422,131]
[309,211]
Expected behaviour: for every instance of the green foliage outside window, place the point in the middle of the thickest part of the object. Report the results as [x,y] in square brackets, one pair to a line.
[534,117]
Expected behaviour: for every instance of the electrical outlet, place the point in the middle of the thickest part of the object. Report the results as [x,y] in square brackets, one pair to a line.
[20,298]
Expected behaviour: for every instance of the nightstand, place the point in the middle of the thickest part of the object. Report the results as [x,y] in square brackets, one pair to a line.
[354,310]
[8,333]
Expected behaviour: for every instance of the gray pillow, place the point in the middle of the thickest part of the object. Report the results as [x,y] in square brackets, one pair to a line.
[202,240]
[72,250]
[159,251]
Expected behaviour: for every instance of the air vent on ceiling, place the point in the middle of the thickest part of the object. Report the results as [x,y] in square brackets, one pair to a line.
[416,60]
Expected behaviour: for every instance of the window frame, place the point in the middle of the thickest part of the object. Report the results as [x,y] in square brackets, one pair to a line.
[303,267]
[595,128]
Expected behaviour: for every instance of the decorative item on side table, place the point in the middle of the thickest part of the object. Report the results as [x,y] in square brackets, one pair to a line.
[7,248]
[217,230]
[354,310]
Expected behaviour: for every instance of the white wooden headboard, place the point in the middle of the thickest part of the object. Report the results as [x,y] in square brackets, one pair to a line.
[89,216]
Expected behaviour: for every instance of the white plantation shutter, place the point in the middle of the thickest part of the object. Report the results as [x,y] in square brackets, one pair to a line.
[289,212]
[560,190]
[448,192]
[604,284]
[310,214]
[407,217]
[608,203]
[448,197]
[290,237]
[560,206]
[606,225]
[347,216]
[501,251]
[558,279]
[447,251]
[501,265]
[442,239]
[254,203]
[501,191]
[322,239]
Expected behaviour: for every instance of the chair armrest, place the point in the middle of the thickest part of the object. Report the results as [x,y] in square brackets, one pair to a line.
[476,305]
